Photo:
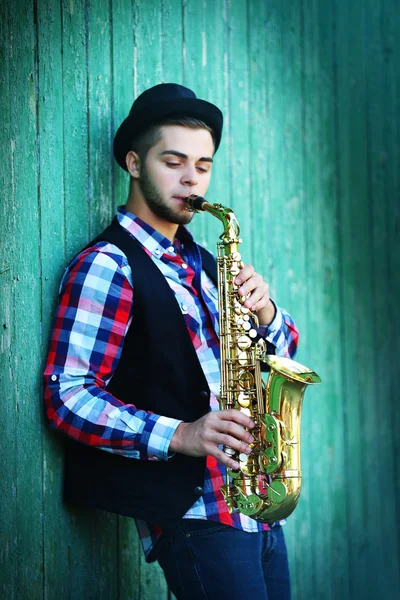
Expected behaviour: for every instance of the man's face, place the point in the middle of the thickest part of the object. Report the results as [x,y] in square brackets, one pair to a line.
[177,166]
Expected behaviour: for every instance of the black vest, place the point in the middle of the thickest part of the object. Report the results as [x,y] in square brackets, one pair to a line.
[158,371]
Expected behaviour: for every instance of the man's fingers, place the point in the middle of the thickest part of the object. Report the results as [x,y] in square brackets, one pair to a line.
[224,458]
[234,415]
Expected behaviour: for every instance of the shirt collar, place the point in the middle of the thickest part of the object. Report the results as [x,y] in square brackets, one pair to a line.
[148,237]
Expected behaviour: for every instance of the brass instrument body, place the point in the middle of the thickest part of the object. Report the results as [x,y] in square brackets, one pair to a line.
[267,485]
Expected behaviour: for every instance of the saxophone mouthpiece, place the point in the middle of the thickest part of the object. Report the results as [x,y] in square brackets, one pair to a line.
[195,203]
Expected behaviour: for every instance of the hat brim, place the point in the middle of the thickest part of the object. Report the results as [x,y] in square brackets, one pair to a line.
[181,107]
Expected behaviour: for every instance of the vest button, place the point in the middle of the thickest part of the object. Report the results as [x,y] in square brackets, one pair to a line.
[204,395]
[198,490]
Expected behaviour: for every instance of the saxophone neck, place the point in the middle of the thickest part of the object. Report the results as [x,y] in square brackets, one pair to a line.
[231,232]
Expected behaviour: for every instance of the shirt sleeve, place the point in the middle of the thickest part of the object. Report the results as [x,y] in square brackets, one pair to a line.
[93,314]
[282,333]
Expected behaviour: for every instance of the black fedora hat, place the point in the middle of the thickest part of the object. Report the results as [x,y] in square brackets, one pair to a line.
[162,102]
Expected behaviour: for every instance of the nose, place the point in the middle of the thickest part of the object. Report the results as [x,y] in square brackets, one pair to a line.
[189,176]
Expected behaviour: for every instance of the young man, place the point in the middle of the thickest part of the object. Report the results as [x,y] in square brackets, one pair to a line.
[133,366]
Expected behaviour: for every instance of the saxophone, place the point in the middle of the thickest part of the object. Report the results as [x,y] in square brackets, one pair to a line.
[267,485]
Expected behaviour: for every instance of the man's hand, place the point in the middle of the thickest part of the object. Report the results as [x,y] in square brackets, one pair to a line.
[202,437]
[259,301]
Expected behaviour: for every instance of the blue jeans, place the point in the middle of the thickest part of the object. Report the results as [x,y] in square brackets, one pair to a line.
[206,560]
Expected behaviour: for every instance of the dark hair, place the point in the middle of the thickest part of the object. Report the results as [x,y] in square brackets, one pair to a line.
[149,138]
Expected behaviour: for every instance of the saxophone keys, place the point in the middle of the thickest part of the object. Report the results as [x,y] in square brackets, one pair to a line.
[229,451]
[253,333]
[244,400]
[244,342]
[243,359]
[246,326]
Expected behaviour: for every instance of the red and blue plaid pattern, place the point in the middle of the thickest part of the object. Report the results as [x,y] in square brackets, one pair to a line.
[93,314]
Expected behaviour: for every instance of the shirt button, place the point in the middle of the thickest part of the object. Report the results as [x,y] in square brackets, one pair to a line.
[184,307]
[157,251]
[198,490]
[53,377]
[171,249]
[184,266]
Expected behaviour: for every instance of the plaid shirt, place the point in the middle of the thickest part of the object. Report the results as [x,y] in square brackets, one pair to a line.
[92,317]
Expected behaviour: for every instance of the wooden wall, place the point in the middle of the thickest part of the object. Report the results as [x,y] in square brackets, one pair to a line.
[309,161]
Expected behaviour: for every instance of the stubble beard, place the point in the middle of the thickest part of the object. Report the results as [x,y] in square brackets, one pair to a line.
[157,205]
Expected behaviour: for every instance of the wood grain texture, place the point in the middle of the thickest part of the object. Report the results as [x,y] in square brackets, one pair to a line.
[309,160]
[23,536]
[52,258]
[8,425]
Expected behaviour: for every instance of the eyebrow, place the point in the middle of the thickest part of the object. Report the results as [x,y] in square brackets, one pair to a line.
[181,155]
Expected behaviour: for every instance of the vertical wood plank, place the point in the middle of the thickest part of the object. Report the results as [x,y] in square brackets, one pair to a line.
[52,210]
[238,128]
[384,116]
[99,106]
[259,202]
[8,514]
[75,102]
[356,289]
[148,53]
[122,86]
[391,23]
[324,458]
[24,543]
[379,439]
[274,145]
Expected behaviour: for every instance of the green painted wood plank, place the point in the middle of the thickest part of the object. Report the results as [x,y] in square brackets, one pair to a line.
[26,547]
[380,437]
[122,86]
[147,50]
[8,518]
[128,559]
[387,313]
[75,125]
[99,107]
[259,202]
[323,405]
[356,290]
[51,198]
[274,146]
[93,554]
[313,457]
[172,41]
[239,116]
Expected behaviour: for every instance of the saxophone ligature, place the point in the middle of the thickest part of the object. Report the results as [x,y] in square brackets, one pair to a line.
[267,485]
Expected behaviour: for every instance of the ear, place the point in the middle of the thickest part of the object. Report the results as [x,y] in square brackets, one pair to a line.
[133,164]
